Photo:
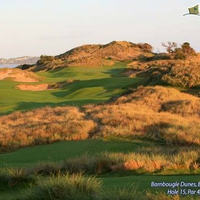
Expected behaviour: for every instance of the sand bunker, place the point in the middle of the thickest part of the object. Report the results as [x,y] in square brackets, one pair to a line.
[40,87]
[18,75]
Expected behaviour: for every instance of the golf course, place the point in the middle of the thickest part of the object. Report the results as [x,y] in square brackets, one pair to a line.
[101,122]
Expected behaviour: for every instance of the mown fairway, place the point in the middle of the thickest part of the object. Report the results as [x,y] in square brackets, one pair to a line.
[94,85]
[64,150]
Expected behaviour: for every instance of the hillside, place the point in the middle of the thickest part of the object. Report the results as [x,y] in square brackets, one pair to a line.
[93,55]
[161,70]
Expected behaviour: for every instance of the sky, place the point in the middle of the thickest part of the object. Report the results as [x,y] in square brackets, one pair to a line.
[52,27]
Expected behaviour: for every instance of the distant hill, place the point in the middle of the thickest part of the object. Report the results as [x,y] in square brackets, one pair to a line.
[19,60]
[93,55]
[97,54]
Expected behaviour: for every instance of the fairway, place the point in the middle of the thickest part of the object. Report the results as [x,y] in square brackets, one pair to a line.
[64,150]
[92,85]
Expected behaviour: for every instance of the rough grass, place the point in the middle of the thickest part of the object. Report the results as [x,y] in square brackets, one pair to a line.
[144,114]
[76,186]
[163,162]
[144,160]
[160,114]
[151,160]
[70,187]
[45,125]
[176,73]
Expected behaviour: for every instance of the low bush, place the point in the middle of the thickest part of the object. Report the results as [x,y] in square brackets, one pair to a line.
[13,177]
[121,194]
[70,187]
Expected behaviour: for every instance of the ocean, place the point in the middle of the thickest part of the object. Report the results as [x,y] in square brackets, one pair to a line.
[8,65]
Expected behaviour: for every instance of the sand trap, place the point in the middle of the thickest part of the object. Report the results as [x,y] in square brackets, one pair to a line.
[18,75]
[40,87]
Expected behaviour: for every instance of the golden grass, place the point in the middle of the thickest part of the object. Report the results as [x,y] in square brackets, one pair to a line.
[43,126]
[179,73]
[144,113]
[155,160]
[163,115]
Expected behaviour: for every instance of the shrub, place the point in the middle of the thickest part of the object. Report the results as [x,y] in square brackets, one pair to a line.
[121,194]
[68,187]
[187,49]
[99,164]
[16,177]
[44,59]
[45,168]
[179,54]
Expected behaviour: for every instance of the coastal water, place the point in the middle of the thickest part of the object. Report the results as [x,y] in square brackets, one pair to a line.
[8,65]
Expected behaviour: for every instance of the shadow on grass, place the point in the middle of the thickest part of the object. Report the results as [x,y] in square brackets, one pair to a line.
[107,84]
[25,106]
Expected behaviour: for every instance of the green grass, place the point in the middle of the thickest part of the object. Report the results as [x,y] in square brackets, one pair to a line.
[63,150]
[70,149]
[95,85]
[144,181]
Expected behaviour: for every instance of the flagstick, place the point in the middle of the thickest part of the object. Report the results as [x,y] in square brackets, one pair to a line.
[190,14]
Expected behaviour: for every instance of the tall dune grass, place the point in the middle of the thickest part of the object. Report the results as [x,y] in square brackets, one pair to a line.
[163,115]
[71,187]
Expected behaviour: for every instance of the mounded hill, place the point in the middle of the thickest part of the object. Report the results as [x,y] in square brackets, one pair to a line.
[115,50]
[161,99]
[93,55]
[164,71]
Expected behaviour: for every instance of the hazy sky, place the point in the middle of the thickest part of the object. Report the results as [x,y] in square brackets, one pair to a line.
[51,27]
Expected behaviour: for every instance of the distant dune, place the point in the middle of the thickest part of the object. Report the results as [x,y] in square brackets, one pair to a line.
[93,55]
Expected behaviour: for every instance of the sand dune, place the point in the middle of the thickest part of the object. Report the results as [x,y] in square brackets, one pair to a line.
[18,75]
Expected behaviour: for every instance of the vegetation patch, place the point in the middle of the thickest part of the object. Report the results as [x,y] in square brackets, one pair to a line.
[70,187]
[93,55]
[156,113]
[173,72]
